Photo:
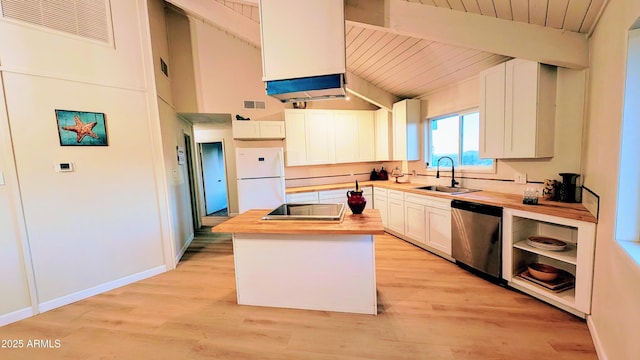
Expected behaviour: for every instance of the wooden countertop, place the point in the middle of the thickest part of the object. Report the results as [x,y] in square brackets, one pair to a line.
[574,211]
[250,222]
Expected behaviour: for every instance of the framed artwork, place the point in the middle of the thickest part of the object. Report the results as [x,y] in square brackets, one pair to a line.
[81,128]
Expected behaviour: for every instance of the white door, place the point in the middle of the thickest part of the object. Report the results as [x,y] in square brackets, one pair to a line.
[265,193]
[214,177]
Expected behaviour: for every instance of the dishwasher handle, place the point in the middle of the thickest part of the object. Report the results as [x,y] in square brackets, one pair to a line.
[477,207]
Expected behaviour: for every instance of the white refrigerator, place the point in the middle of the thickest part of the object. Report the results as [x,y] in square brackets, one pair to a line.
[260,173]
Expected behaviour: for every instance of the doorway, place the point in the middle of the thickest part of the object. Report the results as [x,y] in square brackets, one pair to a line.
[214,179]
[192,192]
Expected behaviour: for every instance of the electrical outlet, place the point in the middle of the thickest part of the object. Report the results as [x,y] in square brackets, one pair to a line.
[520,178]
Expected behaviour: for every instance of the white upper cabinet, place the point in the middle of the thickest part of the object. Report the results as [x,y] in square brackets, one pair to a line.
[530,108]
[492,87]
[329,136]
[320,139]
[366,136]
[346,130]
[406,122]
[258,130]
[302,38]
[517,110]
[310,140]
[296,142]
[382,135]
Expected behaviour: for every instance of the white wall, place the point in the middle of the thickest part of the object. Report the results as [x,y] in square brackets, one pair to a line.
[83,227]
[173,128]
[177,177]
[616,294]
[229,70]
[181,72]
[102,225]
[15,303]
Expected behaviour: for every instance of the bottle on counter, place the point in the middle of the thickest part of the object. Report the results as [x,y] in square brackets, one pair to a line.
[374,175]
[382,175]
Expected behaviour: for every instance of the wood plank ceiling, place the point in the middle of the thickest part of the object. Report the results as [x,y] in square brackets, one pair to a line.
[410,67]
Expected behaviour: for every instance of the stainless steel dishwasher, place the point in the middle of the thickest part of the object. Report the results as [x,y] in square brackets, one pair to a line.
[476,238]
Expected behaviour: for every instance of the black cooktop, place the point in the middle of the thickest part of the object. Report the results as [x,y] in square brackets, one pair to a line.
[306,212]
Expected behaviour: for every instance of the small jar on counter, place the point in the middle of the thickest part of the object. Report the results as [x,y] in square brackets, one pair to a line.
[530,196]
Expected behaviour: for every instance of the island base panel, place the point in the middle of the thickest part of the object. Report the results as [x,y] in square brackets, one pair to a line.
[312,272]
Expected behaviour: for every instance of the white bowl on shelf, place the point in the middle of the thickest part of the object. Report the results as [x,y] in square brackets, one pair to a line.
[546,243]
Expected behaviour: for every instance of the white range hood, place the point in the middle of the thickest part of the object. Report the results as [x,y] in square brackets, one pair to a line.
[303,49]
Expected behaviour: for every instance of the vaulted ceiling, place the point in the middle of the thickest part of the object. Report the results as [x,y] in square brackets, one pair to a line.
[410,48]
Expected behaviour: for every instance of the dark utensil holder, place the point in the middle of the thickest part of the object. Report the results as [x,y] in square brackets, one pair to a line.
[567,189]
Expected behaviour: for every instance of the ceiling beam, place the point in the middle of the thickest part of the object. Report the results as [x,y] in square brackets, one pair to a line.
[216,14]
[504,37]
[370,93]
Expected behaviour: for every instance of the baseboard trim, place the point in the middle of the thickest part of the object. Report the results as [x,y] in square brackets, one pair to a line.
[80,295]
[184,248]
[16,316]
[596,339]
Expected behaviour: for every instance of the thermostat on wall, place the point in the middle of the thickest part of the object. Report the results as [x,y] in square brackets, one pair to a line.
[64,167]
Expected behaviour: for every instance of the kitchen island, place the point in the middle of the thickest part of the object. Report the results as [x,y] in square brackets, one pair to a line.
[312,265]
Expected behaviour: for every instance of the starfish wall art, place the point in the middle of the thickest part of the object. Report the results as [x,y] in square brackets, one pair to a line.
[81,128]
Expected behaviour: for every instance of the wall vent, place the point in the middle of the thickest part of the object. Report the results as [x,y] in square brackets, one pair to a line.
[85,18]
[255,105]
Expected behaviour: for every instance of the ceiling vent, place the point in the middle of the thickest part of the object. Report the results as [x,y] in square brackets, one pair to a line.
[255,105]
[84,18]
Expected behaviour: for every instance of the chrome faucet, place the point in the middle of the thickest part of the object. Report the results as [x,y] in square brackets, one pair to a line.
[453,171]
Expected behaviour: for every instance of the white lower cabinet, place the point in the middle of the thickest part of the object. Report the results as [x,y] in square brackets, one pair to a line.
[381,202]
[395,210]
[339,196]
[577,259]
[420,219]
[428,222]
[415,226]
[310,197]
[439,230]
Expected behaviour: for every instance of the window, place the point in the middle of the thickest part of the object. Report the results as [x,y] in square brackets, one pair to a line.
[628,207]
[456,136]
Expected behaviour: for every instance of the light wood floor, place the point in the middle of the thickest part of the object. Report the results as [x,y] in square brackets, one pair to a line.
[428,309]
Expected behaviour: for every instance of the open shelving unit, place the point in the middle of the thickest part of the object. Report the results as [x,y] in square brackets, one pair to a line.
[576,258]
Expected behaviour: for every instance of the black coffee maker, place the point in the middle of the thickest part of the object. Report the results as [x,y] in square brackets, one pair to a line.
[567,189]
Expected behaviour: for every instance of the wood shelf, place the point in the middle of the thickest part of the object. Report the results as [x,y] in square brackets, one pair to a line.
[569,255]
[566,298]
[577,259]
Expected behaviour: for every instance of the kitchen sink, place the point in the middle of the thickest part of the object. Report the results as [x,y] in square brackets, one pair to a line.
[446,189]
